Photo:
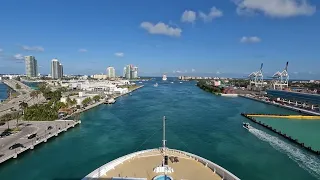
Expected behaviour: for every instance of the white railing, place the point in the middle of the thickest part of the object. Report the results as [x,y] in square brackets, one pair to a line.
[223,173]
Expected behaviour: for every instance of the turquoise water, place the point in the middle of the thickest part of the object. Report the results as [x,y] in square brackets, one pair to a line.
[3,91]
[33,85]
[197,121]
[306,131]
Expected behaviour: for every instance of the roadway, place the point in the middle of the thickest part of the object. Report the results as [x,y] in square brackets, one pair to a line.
[7,106]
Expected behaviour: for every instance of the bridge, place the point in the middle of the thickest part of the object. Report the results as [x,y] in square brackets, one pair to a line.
[12,84]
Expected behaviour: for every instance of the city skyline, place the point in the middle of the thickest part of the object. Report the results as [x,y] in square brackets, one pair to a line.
[211,38]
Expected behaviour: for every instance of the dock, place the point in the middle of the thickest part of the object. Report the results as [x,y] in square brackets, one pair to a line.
[32,143]
[286,116]
[296,141]
[304,111]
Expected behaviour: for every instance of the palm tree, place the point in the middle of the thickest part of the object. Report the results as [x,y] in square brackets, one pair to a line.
[33,94]
[23,105]
[6,118]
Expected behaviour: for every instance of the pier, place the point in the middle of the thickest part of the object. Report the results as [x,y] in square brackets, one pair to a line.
[296,141]
[304,111]
[32,143]
[285,116]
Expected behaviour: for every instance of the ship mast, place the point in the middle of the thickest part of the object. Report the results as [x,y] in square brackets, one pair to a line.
[164,133]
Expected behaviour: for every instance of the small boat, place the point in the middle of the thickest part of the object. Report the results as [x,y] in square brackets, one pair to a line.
[180,82]
[164,77]
[140,82]
[246,126]
[110,101]
[155,85]
[172,82]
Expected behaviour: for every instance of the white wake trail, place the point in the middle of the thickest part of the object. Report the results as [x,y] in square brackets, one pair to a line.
[307,161]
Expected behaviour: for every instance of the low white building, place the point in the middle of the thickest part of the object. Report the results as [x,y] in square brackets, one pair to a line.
[79,98]
[121,90]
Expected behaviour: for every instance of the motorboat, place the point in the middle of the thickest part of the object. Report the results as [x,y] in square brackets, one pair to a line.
[164,77]
[246,126]
[155,85]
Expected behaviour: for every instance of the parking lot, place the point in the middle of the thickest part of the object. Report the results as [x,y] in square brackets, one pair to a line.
[39,129]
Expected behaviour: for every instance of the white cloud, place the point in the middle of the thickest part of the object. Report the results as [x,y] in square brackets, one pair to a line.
[214,13]
[188,16]
[161,28]
[193,70]
[1,50]
[275,8]
[33,48]
[119,54]
[83,50]
[253,39]
[18,57]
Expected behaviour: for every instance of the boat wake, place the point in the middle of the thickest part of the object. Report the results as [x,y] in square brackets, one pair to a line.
[307,161]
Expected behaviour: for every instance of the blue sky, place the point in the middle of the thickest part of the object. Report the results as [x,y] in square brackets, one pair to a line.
[199,37]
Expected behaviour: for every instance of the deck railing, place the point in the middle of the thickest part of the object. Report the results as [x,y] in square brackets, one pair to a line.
[101,171]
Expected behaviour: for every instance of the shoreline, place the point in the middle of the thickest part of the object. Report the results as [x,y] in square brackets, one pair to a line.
[103,101]
[44,138]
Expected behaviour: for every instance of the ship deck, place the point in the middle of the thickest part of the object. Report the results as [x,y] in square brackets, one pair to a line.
[142,167]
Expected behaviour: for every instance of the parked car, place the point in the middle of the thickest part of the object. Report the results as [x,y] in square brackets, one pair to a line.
[16,145]
[5,133]
[32,136]
[50,127]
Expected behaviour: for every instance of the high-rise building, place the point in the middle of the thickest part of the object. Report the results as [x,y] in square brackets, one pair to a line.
[111,72]
[31,66]
[128,72]
[60,70]
[124,72]
[56,69]
[134,72]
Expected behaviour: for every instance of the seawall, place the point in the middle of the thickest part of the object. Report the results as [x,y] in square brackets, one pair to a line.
[296,141]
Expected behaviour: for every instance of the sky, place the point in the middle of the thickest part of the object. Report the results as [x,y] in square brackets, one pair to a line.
[180,37]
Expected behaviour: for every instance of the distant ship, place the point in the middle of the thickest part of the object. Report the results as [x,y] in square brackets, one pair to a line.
[161,163]
[164,77]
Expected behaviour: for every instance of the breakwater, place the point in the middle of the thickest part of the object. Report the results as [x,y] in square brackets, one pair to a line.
[296,141]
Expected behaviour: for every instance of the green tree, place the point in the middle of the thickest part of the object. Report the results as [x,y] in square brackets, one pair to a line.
[33,94]
[18,86]
[69,101]
[6,118]
[23,105]
[96,98]
[86,101]
[73,102]
[58,105]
